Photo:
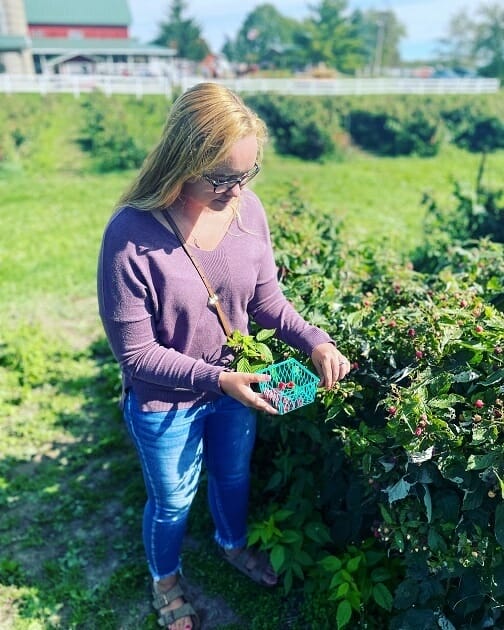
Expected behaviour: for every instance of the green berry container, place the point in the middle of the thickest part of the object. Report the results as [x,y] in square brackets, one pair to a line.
[291,386]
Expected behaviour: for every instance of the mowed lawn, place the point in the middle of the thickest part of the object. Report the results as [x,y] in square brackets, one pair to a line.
[52,220]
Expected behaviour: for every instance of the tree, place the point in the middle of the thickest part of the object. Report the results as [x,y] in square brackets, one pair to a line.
[489,40]
[332,36]
[335,38]
[456,49]
[265,38]
[182,33]
[476,42]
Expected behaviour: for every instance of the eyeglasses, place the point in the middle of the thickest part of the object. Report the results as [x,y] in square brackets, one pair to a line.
[223,185]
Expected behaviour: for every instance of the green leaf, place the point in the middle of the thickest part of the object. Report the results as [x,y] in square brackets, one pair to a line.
[265,352]
[382,596]
[317,532]
[275,481]
[265,333]
[435,541]
[282,515]
[380,574]
[290,536]
[304,558]
[446,401]
[428,502]
[398,491]
[473,498]
[342,590]
[465,377]
[298,570]
[243,365]
[386,516]
[277,557]
[478,462]
[355,599]
[501,483]
[494,378]
[343,614]
[336,580]
[366,463]
[499,524]
[254,537]
[353,564]
[331,564]
[399,541]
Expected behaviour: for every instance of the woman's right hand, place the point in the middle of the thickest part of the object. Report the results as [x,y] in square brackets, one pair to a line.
[238,386]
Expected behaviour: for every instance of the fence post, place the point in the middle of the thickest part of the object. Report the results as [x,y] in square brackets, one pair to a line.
[76,88]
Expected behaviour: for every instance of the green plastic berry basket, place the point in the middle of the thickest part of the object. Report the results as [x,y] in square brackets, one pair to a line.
[291,386]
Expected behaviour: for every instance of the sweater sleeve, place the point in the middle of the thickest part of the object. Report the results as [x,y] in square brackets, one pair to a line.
[143,358]
[271,309]
[126,299]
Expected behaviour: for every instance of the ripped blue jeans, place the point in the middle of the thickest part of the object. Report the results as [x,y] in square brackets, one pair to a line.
[172,446]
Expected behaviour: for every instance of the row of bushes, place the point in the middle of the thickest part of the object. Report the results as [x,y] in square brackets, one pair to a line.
[385,500]
[117,132]
[311,127]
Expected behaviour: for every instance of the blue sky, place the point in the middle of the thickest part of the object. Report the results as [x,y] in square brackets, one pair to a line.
[425,20]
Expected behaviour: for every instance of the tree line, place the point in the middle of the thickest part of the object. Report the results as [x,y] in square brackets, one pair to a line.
[343,40]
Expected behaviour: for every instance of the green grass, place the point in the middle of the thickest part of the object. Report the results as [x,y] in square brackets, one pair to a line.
[52,222]
[70,488]
[376,197]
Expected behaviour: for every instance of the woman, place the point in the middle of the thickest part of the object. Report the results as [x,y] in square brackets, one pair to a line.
[182,404]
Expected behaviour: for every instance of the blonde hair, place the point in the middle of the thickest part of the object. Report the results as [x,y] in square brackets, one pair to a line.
[202,126]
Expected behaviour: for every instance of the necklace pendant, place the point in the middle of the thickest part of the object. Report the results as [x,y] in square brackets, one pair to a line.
[213,299]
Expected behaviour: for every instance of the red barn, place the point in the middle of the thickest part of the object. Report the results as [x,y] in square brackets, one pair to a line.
[71,36]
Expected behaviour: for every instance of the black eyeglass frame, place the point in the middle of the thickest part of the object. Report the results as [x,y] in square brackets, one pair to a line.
[226,185]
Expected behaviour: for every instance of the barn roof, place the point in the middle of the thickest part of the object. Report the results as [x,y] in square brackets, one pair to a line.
[77,12]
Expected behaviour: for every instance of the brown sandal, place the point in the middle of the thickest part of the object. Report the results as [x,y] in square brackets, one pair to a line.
[162,599]
[260,565]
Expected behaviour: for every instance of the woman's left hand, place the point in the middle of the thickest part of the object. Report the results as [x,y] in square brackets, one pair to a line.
[330,364]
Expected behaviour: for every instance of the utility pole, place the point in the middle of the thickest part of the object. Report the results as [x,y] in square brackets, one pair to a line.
[380,37]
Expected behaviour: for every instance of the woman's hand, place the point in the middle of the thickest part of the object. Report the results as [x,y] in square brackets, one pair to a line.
[237,385]
[330,364]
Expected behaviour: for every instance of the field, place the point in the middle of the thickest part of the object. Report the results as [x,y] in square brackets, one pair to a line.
[70,489]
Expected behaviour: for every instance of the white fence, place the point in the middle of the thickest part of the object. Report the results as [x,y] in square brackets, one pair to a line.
[140,86]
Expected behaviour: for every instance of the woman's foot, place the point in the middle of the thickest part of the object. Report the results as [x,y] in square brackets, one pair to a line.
[175,613]
[254,564]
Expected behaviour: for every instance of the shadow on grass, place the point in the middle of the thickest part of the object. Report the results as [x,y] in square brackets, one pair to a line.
[72,497]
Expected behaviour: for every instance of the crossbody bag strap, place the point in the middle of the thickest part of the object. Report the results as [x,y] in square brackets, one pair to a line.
[213,299]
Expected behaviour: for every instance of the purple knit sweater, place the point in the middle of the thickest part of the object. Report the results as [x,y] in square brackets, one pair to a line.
[154,307]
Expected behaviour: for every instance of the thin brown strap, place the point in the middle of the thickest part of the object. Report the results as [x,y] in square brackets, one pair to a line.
[213,298]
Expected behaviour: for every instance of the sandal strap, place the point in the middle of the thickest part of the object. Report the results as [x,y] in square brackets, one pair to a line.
[164,598]
[171,616]
[259,560]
